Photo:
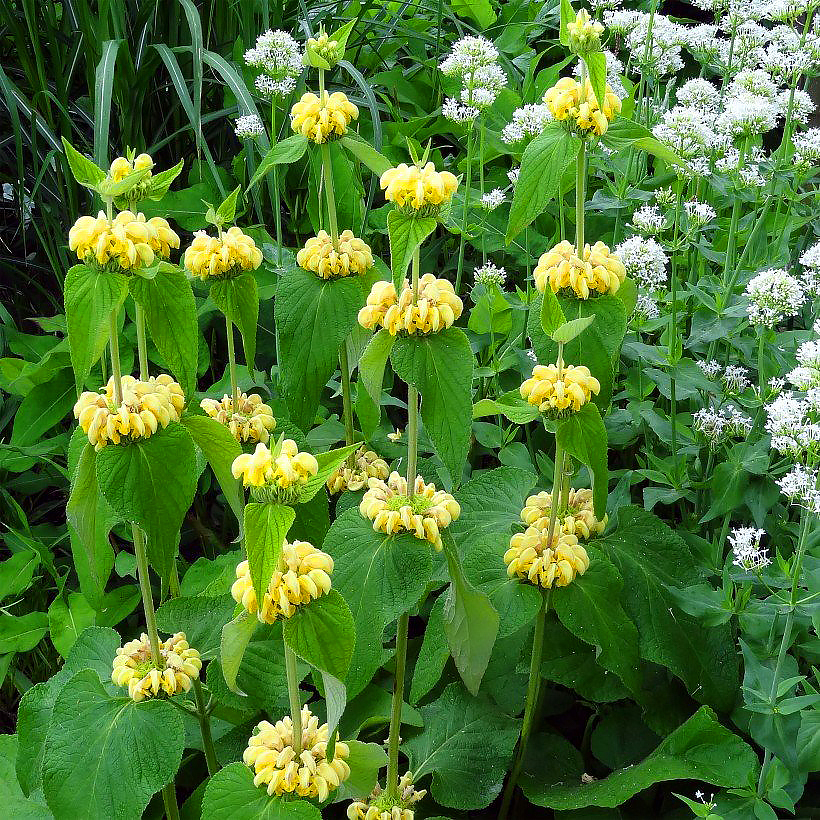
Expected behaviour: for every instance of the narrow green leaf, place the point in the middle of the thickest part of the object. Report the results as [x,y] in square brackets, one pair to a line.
[625,133]
[238,299]
[567,331]
[366,154]
[596,67]
[285,152]
[161,182]
[335,701]
[21,633]
[341,36]
[103,86]
[328,462]
[510,405]
[16,572]
[236,636]
[552,317]
[266,527]
[67,617]
[226,212]
[406,233]
[44,406]
[371,370]
[567,16]
[583,436]
[84,171]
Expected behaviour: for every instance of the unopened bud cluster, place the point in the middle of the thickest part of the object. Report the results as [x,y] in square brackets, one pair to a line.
[327,48]
[436,307]
[272,755]
[134,667]
[251,420]
[584,33]
[121,167]
[576,104]
[597,270]
[146,406]
[304,574]
[353,476]
[390,508]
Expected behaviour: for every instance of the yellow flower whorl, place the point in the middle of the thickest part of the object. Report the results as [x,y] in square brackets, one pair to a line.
[252,420]
[366,465]
[529,558]
[380,806]
[579,518]
[289,469]
[305,575]
[121,167]
[599,271]
[387,505]
[126,242]
[323,119]
[352,256]
[555,392]
[229,255]
[418,188]
[134,667]
[436,308]
[272,757]
[566,104]
[146,406]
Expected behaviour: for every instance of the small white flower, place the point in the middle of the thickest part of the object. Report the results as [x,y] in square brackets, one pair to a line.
[279,57]
[489,274]
[736,378]
[748,554]
[711,369]
[699,94]
[649,220]
[645,262]
[646,308]
[492,199]
[807,148]
[249,126]
[799,485]
[699,213]
[718,424]
[773,295]
[455,111]
[528,121]
[513,174]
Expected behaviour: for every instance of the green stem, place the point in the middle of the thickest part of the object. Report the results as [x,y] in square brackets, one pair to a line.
[467,181]
[395,711]
[169,798]
[533,688]
[232,364]
[481,188]
[277,202]
[413,400]
[580,186]
[673,328]
[347,404]
[556,489]
[142,346]
[730,244]
[147,598]
[295,699]
[114,348]
[327,173]
[205,727]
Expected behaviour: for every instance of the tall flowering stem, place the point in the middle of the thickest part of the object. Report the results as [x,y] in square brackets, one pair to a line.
[465,211]
[294,698]
[277,201]
[232,361]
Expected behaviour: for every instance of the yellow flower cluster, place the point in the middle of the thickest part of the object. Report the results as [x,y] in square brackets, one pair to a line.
[288,469]
[366,465]
[436,307]
[351,256]
[388,505]
[251,421]
[272,756]
[134,667]
[146,406]
[231,253]
[323,119]
[128,241]
[556,390]
[584,33]
[418,188]
[529,558]
[305,575]
[121,167]
[598,271]
[577,519]
[380,806]
[567,104]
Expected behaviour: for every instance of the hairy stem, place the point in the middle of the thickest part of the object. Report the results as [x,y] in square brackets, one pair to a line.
[465,211]
[580,185]
[114,348]
[142,345]
[295,699]
[413,401]
[205,728]
[232,364]
[395,711]
[147,598]
[330,195]
[169,798]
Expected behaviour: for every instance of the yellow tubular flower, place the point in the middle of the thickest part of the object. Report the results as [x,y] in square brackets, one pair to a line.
[252,421]
[323,119]
[597,271]
[436,308]
[134,667]
[352,256]
[146,407]
[530,558]
[221,257]
[567,104]
[304,575]
[380,806]
[559,392]
[417,188]
[276,766]
[388,506]
[366,465]
[275,478]
[578,519]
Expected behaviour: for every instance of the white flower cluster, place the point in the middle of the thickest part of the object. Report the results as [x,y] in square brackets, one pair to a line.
[489,274]
[645,262]
[527,122]
[810,260]
[474,62]
[249,126]
[717,424]
[279,57]
[646,308]
[774,295]
[649,221]
[799,485]
[711,368]
[688,130]
[492,199]
[698,214]
[790,421]
[455,111]
[748,554]
[736,378]
[807,148]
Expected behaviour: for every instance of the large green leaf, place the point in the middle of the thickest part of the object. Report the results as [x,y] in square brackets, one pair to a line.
[313,318]
[151,482]
[406,232]
[238,299]
[220,448]
[700,749]
[44,406]
[596,66]
[583,436]
[466,745]
[94,649]
[365,760]
[170,313]
[433,655]
[68,616]
[15,803]
[266,527]
[231,795]
[21,633]
[285,152]
[624,133]
[651,557]
[470,621]
[371,370]
[543,164]
[106,757]
[380,577]
[200,617]
[589,607]
[440,365]
[366,154]
[86,172]
[90,296]
[322,633]
[510,405]
[16,572]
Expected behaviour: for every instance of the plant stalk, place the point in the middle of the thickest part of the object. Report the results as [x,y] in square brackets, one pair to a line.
[147,598]
[142,345]
[402,628]
[232,364]
[169,798]
[205,728]
[465,212]
[295,699]
[114,348]
[413,401]
[580,185]
[327,173]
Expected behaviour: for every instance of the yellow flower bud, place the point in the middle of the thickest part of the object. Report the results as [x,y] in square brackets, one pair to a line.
[322,119]
[569,101]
